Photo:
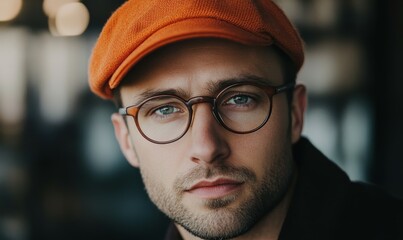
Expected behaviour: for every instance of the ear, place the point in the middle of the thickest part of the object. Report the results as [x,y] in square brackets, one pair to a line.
[298,106]
[123,137]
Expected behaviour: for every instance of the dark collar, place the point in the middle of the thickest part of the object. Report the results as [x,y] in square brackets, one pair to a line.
[320,194]
[172,233]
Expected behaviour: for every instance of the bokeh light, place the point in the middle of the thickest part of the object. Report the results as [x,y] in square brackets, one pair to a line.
[72,19]
[50,7]
[9,9]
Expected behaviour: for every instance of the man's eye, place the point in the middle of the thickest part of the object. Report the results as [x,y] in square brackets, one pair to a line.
[166,110]
[239,100]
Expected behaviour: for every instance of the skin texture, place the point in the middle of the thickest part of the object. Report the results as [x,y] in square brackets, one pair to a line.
[250,176]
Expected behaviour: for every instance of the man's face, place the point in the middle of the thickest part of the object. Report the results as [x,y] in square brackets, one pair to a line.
[212,182]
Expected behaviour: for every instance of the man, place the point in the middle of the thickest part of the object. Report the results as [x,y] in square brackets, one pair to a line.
[210,113]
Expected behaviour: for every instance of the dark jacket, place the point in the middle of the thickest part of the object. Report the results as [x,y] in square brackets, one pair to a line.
[327,205]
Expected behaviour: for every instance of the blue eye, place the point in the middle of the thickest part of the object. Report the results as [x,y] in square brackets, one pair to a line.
[166,110]
[239,100]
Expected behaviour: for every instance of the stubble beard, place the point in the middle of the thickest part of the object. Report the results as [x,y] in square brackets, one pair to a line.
[224,220]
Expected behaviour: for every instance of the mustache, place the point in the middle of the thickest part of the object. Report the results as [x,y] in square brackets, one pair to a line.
[240,174]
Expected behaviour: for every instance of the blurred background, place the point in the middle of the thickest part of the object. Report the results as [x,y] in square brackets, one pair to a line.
[62,175]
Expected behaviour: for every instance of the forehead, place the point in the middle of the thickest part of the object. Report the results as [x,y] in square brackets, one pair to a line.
[198,61]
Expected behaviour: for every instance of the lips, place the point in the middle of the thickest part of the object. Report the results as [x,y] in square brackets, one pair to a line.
[214,189]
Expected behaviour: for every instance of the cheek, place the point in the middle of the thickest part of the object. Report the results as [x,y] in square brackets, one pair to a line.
[158,164]
[155,162]
[157,173]
[261,149]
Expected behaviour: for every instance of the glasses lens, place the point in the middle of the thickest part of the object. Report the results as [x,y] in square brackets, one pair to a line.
[243,108]
[163,119]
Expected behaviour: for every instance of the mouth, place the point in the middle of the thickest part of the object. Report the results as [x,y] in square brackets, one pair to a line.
[214,189]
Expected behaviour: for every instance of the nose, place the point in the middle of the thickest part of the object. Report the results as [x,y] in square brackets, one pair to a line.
[208,143]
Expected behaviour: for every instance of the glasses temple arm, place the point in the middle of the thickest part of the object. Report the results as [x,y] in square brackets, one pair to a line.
[122,111]
[285,87]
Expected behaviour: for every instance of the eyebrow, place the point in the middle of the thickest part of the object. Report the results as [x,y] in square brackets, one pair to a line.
[213,87]
[217,86]
[156,92]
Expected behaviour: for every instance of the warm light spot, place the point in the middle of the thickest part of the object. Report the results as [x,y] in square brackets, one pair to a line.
[50,7]
[72,19]
[9,9]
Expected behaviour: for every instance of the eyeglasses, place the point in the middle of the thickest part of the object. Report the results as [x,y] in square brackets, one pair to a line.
[240,108]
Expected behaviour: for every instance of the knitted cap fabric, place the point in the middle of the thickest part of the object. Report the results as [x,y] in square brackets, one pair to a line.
[139,27]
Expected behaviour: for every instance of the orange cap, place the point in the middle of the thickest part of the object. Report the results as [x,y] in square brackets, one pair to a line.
[139,27]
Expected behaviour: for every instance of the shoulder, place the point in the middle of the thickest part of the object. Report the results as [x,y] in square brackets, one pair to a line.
[371,212]
[328,205]
[374,208]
